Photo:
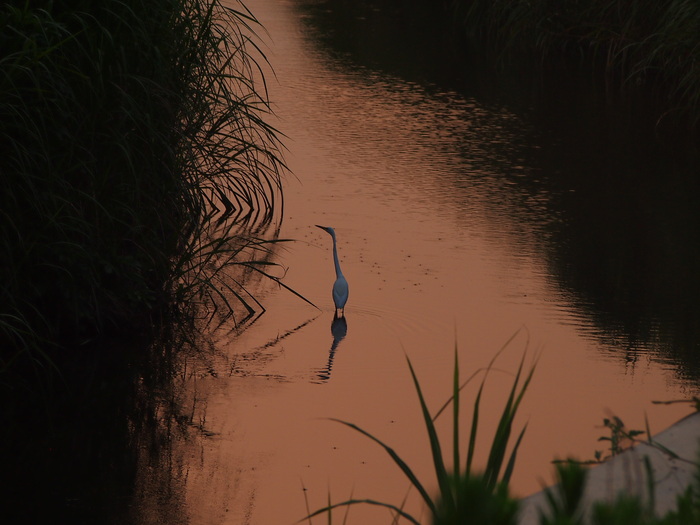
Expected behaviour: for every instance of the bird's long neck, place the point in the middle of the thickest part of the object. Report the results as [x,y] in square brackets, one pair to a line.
[338,273]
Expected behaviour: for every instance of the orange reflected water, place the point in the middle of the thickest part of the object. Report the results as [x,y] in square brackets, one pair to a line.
[437,249]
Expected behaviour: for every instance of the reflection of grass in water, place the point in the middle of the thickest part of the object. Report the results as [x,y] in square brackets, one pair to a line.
[464,493]
[125,129]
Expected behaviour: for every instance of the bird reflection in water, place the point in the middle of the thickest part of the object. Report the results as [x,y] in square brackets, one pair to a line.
[339,329]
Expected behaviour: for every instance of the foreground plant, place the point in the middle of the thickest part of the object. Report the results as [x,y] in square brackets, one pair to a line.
[565,500]
[468,496]
[566,504]
[465,495]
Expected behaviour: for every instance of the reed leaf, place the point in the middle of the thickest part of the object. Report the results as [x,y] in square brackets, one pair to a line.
[438,462]
[399,462]
[455,417]
[394,508]
[136,158]
[502,436]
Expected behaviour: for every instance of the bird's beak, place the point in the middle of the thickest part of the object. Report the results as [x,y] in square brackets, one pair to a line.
[322,227]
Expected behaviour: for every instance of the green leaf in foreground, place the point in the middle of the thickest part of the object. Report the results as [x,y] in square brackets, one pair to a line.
[464,497]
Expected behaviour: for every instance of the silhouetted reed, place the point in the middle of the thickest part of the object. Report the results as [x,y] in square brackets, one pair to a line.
[128,128]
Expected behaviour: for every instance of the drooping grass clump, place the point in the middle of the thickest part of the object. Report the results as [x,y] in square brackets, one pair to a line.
[126,126]
[649,42]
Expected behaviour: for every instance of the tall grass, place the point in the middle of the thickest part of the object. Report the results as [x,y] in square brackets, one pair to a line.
[635,42]
[128,129]
[466,494]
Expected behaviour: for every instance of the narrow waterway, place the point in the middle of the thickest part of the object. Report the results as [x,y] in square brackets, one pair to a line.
[463,217]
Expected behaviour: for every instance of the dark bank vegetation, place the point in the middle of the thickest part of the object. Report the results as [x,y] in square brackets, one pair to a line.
[135,163]
[629,46]
[631,42]
[128,130]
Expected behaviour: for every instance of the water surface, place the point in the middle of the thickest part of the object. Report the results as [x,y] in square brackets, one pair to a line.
[467,211]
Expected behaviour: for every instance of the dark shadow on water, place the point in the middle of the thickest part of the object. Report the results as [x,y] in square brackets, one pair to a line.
[66,440]
[93,443]
[339,329]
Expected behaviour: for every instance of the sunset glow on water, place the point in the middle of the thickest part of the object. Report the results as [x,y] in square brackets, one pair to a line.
[442,247]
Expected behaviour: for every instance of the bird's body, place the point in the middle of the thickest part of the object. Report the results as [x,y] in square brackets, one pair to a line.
[340,286]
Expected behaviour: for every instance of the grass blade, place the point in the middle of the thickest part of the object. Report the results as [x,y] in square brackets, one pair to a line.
[438,462]
[394,508]
[455,417]
[473,432]
[399,462]
[500,441]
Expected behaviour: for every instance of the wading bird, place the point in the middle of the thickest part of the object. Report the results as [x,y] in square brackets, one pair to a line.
[340,286]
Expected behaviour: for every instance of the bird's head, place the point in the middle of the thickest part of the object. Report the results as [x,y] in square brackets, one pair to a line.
[327,229]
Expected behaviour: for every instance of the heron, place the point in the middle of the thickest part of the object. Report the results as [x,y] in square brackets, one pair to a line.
[340,286]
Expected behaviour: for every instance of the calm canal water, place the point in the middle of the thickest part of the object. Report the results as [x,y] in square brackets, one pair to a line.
[469,207]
